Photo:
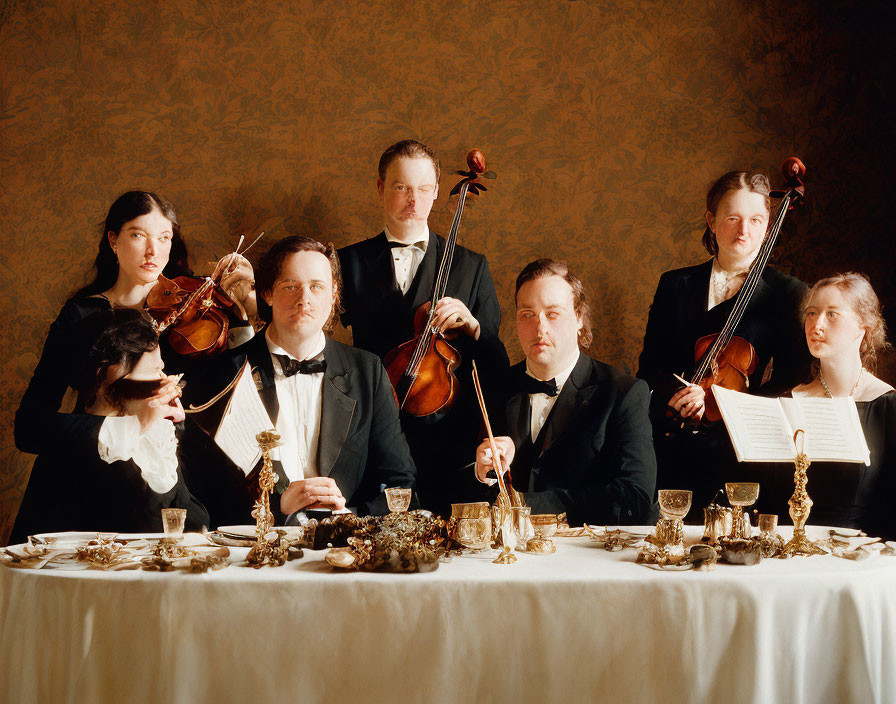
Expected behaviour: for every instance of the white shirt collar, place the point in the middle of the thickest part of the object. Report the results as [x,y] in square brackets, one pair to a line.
[561,378]
[274,348]
[392,238]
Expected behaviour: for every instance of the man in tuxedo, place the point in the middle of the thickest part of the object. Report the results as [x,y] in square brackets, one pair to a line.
[576,431]
[387,278]
[332,404]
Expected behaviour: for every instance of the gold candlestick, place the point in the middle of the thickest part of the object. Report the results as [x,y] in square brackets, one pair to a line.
[800,504]
[262,551]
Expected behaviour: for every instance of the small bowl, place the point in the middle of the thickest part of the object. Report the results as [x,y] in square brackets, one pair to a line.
[545,523]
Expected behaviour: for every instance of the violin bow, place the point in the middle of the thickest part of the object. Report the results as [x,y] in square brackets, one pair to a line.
[496,458]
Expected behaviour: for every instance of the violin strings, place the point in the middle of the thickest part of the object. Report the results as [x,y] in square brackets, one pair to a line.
[746,292]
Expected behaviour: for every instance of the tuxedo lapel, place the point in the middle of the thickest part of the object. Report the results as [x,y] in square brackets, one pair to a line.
[337,409]
[575,393]
[380,267]
[259,357]
[420,290]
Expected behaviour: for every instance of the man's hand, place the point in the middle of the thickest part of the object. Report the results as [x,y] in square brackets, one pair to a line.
[316,492]
[689,402]
[484,461]
[453,318]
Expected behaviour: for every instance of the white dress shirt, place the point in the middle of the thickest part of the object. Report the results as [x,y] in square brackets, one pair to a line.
[406,260]
[154,452]
[540,404]
[300,397]
[724,284]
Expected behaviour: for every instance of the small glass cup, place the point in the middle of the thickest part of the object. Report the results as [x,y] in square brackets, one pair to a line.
[173,520]
[398,499]
[522,525]
[768,523]
[474,533]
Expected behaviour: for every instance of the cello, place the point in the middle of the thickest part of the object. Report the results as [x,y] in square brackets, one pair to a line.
[724,358]
[422,369]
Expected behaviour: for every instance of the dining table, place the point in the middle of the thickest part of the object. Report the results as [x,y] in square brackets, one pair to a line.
[584,624]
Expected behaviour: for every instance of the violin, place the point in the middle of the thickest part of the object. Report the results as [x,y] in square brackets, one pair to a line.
[196,312]
[422,369]
[724,358]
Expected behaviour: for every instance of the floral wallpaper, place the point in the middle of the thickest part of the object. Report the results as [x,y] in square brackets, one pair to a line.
[605,122]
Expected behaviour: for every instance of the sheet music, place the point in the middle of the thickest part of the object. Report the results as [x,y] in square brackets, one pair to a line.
[758,427]
[833,429]
[243,419]
[761,429]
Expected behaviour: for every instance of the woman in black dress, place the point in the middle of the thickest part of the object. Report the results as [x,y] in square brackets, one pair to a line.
[120,474]
[695,301]
[141,239]
[845,332]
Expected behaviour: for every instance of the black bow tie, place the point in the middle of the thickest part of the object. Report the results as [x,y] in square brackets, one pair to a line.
[400,245]
[291,367]
[531,385]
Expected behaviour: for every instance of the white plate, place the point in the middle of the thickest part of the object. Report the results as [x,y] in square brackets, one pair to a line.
[68,538]
[238,531]
[128,537]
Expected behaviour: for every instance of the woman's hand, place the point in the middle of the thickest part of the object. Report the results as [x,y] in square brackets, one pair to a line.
[484,461]
[689,402]
[165,403]
[238,281]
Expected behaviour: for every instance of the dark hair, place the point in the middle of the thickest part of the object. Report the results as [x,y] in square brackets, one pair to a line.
[410,148]
[271,265]
[126,207]
[119,337]
[732,181]
[857,290]
[541,268]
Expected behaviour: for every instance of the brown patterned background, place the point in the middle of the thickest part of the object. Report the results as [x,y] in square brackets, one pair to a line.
[604,121]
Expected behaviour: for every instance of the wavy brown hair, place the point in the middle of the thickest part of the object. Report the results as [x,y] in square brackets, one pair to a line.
[541,268]
[856,289]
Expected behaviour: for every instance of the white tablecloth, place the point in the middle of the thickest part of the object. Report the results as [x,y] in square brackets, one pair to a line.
[582,625]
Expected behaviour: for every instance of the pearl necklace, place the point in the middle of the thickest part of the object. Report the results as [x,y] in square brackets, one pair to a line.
[854,386]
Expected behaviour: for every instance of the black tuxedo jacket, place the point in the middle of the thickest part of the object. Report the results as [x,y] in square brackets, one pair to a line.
[361,445]
[381,317]
[678,318]
[594,456]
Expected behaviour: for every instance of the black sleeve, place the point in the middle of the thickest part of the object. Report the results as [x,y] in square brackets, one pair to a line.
[791,360]
[651,365]
[38,423]
[623,474]
[389,462]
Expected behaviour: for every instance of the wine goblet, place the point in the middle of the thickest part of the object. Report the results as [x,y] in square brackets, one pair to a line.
[740,494]
[674,506]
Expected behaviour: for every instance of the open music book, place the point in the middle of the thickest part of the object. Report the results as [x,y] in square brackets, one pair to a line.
[234,417]
[762,429]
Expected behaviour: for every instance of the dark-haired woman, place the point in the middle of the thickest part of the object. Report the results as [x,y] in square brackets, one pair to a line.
[141,239]
[123,469]
[695,301]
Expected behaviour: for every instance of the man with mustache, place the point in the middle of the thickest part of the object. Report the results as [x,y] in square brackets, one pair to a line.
[388,277]
[576,431]
[332,404]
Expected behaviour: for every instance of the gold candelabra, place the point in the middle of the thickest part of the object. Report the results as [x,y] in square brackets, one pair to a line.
[262,552]
[800,504]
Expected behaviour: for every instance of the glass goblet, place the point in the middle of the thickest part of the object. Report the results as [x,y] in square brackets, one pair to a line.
[674,506]
[740,494]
